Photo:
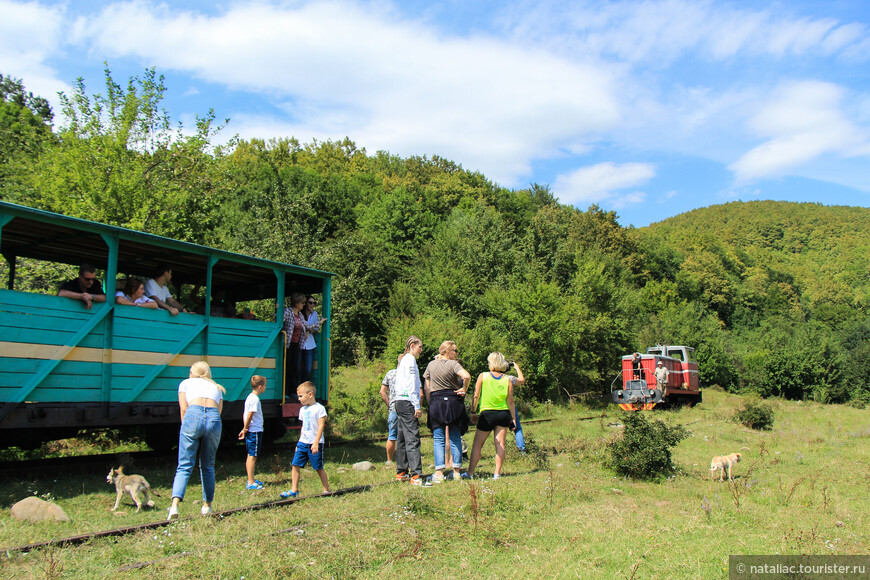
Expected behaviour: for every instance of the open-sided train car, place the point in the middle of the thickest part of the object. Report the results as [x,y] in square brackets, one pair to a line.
[638,389]
[64,367]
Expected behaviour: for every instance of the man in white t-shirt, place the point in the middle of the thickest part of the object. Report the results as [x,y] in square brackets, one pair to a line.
[156,290]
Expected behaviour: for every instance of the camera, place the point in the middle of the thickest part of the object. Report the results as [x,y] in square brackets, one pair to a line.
[510,365]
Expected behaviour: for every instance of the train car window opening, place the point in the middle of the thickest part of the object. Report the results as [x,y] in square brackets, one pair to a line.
[65,367]
[39,276]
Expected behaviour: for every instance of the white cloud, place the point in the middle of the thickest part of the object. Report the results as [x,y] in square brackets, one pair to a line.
[657,33]
[30,34]
[602,182]
[802,121]
[338,68]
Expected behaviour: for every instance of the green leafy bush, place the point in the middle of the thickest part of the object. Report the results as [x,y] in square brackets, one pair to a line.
[755,415]
[357,417]
[644,450]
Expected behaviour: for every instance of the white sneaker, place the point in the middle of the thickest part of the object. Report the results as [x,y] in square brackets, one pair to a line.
[496,476]
[173,513]
[436,478]
[206,509]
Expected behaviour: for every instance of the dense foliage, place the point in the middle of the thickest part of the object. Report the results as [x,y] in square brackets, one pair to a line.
[755,415]
[772,295]
[644,449]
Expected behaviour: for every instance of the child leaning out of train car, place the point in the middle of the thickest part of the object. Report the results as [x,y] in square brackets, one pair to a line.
[310,445]
[252,430]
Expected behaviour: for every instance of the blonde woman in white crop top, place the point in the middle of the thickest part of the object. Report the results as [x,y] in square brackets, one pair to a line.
[200,401]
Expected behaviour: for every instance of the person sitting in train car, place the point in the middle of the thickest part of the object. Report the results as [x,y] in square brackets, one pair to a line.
[221,306]
[156,290]
[85,288]
[133,294]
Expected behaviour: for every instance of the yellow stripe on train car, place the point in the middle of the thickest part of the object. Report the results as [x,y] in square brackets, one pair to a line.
[131,357]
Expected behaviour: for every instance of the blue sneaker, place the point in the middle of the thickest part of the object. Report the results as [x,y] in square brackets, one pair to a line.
[255,485]
[465,475]
[258,482]
[288,494]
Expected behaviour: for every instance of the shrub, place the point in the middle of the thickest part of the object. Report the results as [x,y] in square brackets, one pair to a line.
[357,417]
[644,450]
[755,415]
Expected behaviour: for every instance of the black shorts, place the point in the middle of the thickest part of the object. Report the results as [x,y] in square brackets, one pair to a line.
[489,420]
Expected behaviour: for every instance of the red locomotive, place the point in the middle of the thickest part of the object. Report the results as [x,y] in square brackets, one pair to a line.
[639,388]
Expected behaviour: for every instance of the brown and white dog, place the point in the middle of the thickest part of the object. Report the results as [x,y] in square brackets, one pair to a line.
[722,463]
[136,485]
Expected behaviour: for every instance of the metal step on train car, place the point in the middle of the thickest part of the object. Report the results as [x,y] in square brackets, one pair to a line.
[65,367]
[638,388]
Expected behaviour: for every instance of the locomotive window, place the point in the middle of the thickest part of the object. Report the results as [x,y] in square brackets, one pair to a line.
[677,354]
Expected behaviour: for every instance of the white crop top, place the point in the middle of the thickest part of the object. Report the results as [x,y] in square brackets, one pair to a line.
[197,387]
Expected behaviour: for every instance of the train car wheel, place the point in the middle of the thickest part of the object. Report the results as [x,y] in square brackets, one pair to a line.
[161,438]
[273,430]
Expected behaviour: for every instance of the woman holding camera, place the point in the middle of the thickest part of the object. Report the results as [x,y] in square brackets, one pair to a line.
[494,394]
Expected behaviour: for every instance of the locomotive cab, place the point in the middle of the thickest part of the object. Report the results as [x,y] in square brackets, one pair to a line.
[637,388]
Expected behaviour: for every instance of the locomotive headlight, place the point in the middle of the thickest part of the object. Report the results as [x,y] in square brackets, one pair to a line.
[618,393]
[652,392]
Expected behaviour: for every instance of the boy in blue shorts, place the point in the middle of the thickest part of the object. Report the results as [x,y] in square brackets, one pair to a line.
[252,430]
[310,445]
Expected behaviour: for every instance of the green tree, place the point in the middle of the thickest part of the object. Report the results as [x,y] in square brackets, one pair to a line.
[25,130]
[119,162]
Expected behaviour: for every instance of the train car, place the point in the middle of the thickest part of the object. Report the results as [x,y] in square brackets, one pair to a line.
[638,389]
[65,367]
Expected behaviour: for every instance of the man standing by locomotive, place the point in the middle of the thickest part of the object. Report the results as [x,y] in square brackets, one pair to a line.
[662,375]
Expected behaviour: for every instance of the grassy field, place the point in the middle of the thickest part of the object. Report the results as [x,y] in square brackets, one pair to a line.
[801,489]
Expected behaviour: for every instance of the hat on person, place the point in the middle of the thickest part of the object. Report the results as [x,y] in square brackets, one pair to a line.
[660,362]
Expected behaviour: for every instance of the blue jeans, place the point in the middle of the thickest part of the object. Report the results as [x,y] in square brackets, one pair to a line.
[200,431]
[293,367]
[392,426]
[518,435]
[307,364]
[455,446]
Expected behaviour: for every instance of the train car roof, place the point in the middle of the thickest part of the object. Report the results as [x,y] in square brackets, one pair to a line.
[43,235]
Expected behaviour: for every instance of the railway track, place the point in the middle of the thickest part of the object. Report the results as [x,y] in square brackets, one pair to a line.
[143,458]
[81,538]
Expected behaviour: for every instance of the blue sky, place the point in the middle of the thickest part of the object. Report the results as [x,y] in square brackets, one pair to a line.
[648,108]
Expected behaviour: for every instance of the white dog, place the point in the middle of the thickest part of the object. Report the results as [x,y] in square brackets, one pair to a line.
[722,463]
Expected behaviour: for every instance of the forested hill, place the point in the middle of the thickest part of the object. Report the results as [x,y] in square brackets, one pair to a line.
[824,249]
[774,296]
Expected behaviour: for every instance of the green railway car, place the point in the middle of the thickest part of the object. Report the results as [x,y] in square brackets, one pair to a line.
[65,367]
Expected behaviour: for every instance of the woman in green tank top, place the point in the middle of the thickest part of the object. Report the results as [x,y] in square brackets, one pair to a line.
[494,400]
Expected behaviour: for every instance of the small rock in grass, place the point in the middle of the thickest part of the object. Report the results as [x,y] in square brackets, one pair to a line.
[364,466]
[33,509]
